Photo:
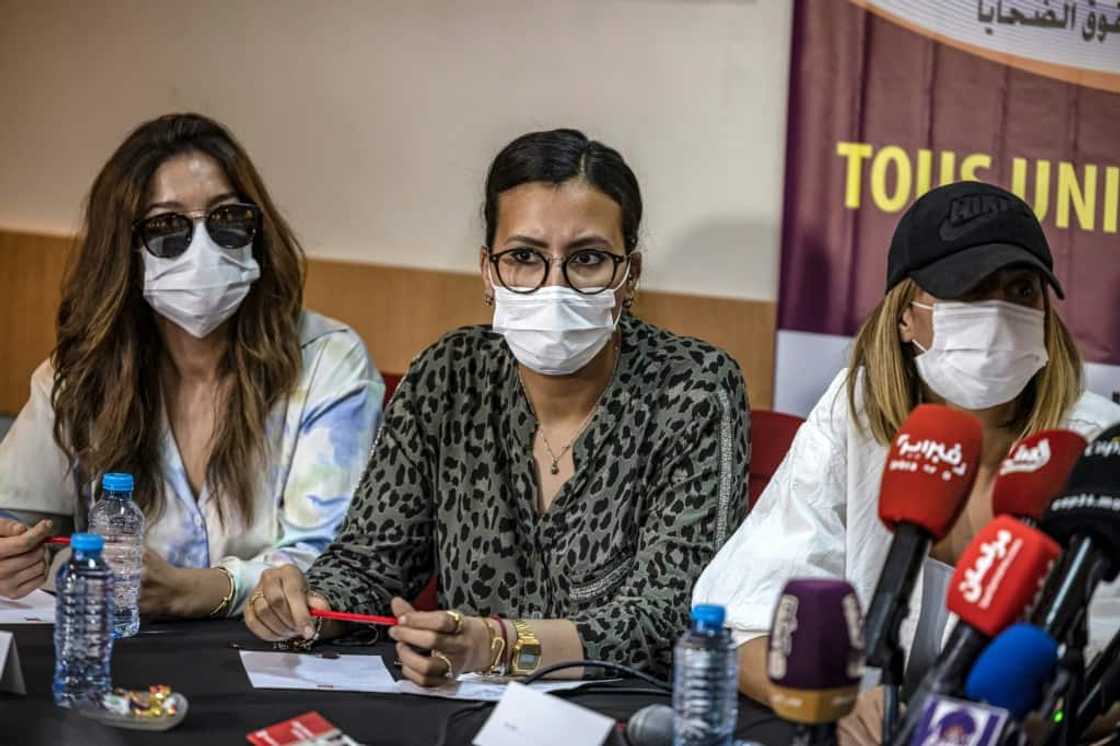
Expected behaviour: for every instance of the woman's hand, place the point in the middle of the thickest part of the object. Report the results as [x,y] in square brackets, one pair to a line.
[279,607]
[863,726]
[167,591]
[433,632]
[23,557]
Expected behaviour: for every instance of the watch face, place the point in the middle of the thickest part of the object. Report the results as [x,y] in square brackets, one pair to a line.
[528,659]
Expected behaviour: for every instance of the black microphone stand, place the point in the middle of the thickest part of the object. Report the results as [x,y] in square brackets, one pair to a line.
[1069,685]
[1064,616]
[1012,735]
[889,607]
[892,678]
[1073,665]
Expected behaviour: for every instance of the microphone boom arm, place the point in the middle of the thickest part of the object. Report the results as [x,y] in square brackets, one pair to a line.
[889,607]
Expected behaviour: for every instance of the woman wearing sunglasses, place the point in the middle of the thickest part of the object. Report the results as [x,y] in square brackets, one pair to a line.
[185,358]
[566,472]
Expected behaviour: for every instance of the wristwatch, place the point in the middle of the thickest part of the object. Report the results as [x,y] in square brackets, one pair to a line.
[525,657]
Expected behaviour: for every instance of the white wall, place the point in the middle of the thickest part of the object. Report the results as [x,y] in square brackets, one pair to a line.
[374,122]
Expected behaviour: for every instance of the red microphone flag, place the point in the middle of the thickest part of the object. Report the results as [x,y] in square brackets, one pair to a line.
[1034,473]
[930,469]
[1000,573]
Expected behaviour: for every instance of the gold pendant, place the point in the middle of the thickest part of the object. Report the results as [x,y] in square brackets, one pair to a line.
[555,469]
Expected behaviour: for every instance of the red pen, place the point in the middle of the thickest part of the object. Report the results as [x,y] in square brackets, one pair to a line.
[63,541]
[346,616]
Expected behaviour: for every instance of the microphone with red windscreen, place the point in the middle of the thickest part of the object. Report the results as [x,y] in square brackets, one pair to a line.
[1034,473]
[929,472]
[926,480]
[995,582]
[815,657]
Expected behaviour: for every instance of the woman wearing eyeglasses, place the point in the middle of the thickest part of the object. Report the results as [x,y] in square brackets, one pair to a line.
[185,357]
[566,472]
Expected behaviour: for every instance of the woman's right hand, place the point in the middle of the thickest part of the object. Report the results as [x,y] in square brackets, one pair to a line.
[279,607]
[23,557]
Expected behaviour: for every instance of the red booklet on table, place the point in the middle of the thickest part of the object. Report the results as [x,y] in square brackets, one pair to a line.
[308,729]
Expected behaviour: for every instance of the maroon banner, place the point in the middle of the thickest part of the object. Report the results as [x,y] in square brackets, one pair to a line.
[880,112]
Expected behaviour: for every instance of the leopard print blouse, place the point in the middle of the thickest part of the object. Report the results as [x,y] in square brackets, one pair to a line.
[451,489]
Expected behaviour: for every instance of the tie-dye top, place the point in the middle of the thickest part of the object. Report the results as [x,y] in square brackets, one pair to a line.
[318,443]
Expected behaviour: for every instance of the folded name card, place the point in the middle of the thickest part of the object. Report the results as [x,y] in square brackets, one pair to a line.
[525,716]
[11,675]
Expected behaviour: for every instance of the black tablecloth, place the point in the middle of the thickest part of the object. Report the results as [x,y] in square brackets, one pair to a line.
[198,659]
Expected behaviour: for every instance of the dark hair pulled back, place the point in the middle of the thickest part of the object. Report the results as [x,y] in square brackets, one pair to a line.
[558,156]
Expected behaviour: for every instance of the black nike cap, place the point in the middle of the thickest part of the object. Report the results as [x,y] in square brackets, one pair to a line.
[956,235]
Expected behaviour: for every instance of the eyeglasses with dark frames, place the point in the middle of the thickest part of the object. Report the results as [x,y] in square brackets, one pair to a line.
[169,234]
[587,271]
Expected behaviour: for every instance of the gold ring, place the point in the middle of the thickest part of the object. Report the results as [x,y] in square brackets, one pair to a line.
[456,617]
[450,673]
[257,596]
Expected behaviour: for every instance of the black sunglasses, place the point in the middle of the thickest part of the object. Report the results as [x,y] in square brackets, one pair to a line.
[169,234]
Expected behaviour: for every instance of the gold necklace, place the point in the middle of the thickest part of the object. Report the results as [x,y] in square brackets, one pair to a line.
[555,468]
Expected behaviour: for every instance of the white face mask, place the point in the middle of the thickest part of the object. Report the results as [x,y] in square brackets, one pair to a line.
[983,354]
[555,331]
[202,287]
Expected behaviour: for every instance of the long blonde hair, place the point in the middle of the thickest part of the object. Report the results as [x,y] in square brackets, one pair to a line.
[891,387]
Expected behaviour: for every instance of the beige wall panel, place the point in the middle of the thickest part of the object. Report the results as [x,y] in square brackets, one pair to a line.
[30,276]
[397,311]
[373,123]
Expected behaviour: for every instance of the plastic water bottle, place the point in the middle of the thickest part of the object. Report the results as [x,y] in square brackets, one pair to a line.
[120,522]
[83,639]
[705,682]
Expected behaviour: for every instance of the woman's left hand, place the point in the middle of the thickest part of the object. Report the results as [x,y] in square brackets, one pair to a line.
[863,726]
[433,632]
[170,591]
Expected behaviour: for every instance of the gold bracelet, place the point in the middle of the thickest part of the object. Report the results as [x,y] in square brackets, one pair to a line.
[229,596]
[497,651]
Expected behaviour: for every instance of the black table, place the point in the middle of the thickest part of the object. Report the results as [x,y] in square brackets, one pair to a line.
[197,659]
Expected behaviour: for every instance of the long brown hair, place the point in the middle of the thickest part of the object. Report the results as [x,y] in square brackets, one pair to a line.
[107,395]
[891,387]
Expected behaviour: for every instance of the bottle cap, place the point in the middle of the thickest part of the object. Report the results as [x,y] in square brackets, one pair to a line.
[86,542]
[708,615]
[117,482]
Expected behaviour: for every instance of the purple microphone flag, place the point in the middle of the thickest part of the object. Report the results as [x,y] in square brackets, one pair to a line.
[815,659]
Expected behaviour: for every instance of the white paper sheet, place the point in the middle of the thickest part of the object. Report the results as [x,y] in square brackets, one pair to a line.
[477,688]
[346,673]
[36,607]
[525,715]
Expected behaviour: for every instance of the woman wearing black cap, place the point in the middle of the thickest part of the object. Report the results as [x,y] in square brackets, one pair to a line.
[967,320]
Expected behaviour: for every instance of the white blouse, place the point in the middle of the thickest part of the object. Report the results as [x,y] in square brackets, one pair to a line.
[818,517]
[318,440]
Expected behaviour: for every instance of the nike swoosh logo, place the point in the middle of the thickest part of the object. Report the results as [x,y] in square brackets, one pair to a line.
[966,214]
[950,232]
